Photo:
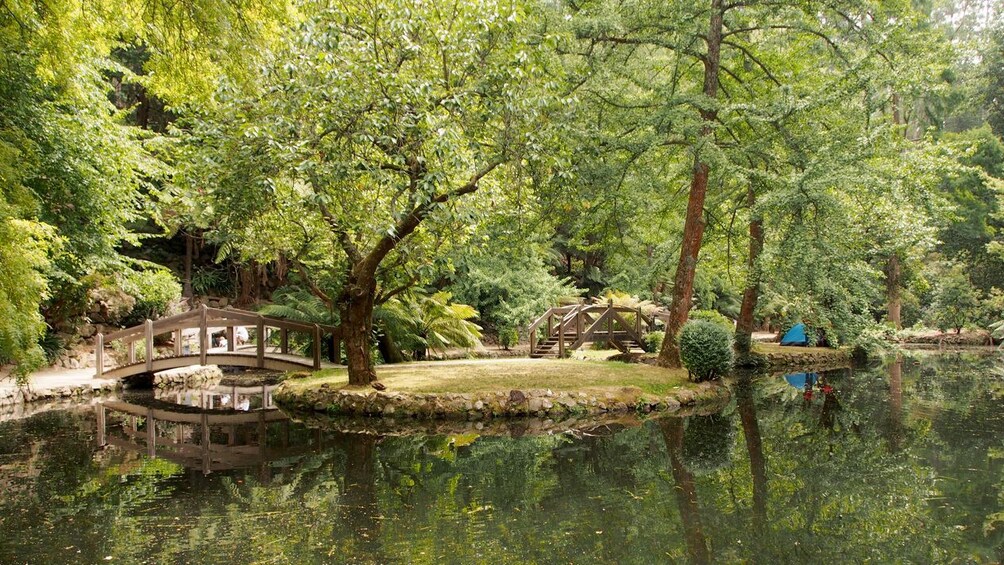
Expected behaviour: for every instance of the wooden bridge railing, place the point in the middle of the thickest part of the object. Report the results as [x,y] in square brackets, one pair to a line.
[205,318]
[569,327]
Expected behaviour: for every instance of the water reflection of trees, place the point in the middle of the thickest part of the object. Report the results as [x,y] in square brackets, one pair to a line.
[878,479]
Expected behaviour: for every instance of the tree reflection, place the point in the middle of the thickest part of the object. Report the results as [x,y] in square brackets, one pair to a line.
[686,491]
[895,420]
[359,508]
[754,449]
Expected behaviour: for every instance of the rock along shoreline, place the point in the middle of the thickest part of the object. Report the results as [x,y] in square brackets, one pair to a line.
[484,405]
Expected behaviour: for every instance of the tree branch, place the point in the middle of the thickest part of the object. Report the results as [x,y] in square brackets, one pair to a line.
[383,297]
[316,290]
[410,222]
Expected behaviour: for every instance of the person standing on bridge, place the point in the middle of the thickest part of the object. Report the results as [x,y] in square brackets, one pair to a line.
[240,335]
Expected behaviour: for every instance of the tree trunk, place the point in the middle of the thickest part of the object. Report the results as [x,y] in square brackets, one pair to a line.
[357,327]
[388,348]
[744,326]
[693,229]
[892,285]
[686,492]
[187,290]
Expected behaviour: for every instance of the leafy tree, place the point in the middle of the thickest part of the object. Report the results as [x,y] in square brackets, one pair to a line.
[508,292]
[972,188]
[993,67]
[717,89]
[371,122]
[956,301]
[24,257]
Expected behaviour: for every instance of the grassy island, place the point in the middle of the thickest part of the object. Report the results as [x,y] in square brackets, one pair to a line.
[474,389]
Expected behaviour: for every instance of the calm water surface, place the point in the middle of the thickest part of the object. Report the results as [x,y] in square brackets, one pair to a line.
[900,463]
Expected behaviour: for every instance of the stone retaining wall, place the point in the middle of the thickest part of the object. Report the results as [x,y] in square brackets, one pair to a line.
[541,403]
[814,360]
[13,397]
[196,376]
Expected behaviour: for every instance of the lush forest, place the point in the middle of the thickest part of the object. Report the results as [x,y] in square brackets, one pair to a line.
[422,172]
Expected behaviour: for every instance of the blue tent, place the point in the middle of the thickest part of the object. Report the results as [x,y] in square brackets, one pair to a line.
[796,336]
[799,380]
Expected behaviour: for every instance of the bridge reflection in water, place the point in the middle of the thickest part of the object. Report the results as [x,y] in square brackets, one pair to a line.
[216,429]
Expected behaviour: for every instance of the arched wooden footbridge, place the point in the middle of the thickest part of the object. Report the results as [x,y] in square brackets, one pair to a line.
[256,353]
[565,329]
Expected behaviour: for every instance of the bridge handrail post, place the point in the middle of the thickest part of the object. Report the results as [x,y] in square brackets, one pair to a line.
[261,342]
[317,346]
[148,337]
[283,340]
[561,338]
[99,355]
[637,323]
[203,334]
[533,340]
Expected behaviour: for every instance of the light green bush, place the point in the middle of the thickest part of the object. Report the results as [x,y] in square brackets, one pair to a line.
[508,337]
[652,341]
[155,290]
[706,349]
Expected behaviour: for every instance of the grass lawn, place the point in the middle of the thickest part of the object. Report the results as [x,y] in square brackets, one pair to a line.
[487,375]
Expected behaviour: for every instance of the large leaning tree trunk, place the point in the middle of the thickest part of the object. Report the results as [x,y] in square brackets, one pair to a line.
[693,229]
[744,326]
[359,294]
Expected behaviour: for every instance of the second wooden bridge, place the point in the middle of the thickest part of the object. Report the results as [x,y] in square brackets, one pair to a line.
[565,329]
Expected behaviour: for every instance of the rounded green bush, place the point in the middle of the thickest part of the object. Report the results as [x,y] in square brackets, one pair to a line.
[705,349]
[653,341]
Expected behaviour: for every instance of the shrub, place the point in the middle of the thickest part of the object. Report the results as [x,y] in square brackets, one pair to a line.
[508,291]
[872,341]
[212,281]
[508,337]
[155,290]
[108,302]
[705,349]
[418,322]
[713,316]
[652,341]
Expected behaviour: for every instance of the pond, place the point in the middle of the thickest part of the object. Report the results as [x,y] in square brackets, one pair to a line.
[900,462]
